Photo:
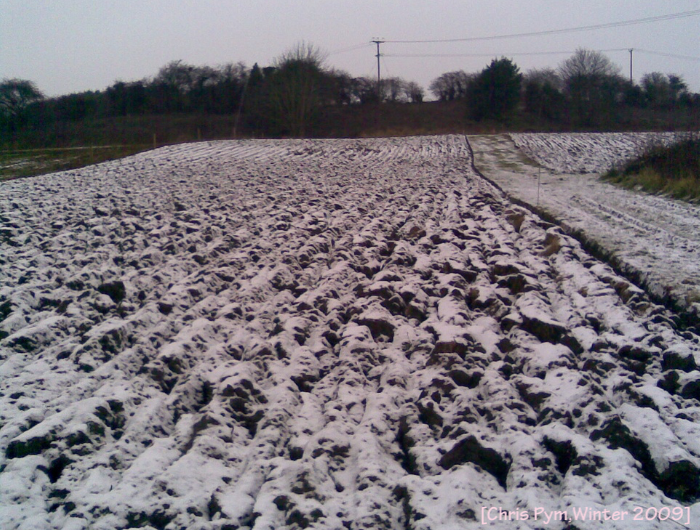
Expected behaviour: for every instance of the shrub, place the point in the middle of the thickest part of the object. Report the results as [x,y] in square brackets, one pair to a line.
[674,170]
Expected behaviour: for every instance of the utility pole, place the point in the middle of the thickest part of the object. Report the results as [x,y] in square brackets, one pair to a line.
[631,80]
[379,71]
[379,84]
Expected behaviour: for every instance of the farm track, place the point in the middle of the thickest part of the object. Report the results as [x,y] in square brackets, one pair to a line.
[587,152]
[653,239]
[323,334]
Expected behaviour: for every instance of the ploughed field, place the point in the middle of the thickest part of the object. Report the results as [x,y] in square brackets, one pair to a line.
[325,334]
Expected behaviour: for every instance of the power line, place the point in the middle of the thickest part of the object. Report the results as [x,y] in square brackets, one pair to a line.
[492,54]
[516,54]
[674,56]
[350,48]
[647,20]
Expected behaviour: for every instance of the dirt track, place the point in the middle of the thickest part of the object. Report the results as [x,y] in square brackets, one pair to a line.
[653,239]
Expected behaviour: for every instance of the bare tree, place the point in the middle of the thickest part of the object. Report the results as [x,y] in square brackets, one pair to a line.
[664,91]
[679,88]
[229,90]
[364,90]
[296,91]
[587,63]
[171,84]
[16,95]
[678,85]
[451,85]
[393,89]
[544,76]
[593,85]
[176,74]
[414,92]
[542,93]
[657,89]
[338,88]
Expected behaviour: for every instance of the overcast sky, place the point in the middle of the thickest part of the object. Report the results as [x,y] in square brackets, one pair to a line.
[76,45]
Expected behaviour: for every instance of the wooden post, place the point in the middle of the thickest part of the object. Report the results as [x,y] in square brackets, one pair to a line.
[155,142]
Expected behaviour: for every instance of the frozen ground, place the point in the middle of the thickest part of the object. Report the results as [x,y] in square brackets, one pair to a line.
[588,152]
[325,334]
[654,238]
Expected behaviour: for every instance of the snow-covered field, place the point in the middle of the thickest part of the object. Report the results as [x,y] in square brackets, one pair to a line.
[326,334]
[588,152]
[653,238]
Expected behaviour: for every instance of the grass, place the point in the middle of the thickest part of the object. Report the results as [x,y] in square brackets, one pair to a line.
[671,170]
[32,162]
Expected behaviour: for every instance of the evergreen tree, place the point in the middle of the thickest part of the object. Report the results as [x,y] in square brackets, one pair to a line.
[496,91]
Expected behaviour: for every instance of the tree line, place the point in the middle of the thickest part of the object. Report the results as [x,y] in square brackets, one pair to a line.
[586,90]
[288,97]
[284,98]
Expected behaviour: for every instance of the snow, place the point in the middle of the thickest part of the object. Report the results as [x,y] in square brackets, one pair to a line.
[588,152]
[652,238]
[323,334]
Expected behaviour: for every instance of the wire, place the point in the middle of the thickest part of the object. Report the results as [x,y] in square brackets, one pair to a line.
[386,68]
[492,54]
[647,20]
[350,49]
[686,57]
[409,55]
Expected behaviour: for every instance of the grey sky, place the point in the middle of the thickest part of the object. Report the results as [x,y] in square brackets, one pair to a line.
[75,45]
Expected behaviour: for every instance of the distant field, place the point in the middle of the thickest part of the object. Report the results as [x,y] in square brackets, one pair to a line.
[31,162]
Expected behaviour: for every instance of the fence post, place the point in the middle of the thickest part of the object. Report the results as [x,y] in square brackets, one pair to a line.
[155,142]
